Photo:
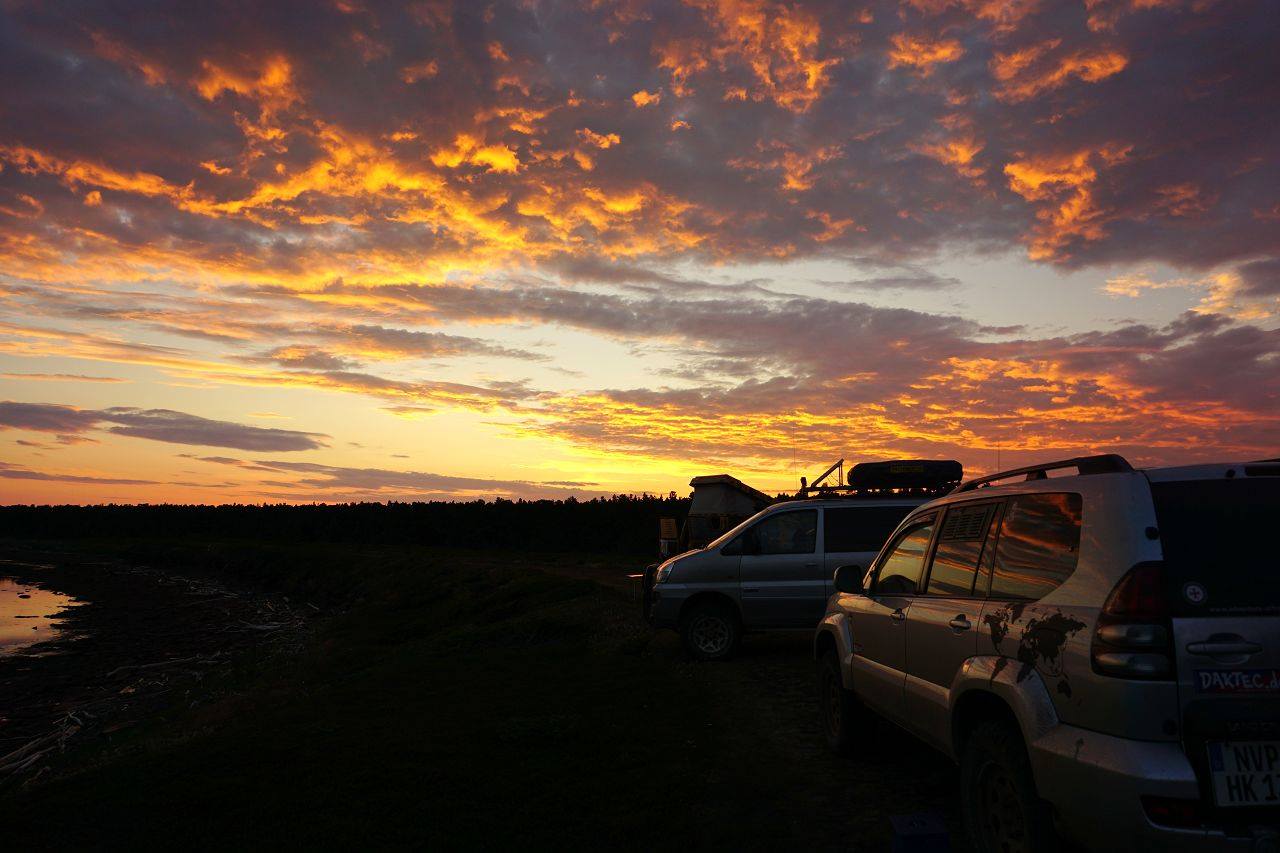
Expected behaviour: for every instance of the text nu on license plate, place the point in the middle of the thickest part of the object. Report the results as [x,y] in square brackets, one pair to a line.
[1245,773]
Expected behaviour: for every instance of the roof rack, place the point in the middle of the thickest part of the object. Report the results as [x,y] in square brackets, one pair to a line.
[1104,463]
[895,478]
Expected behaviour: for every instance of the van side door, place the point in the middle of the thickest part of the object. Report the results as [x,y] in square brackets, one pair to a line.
[879,619]
[942,632]
[781,571]
[853,535]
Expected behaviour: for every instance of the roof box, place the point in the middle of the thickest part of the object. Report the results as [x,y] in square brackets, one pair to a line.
[930,474]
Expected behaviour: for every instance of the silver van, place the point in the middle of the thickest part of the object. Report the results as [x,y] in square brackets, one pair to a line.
[1099,651]
[774,570]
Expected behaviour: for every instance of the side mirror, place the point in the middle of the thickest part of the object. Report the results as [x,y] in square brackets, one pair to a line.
[849,579]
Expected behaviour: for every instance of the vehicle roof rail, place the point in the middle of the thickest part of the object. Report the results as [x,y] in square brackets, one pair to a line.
[1104,463]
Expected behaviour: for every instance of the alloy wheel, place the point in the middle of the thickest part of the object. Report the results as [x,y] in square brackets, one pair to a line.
[710,634]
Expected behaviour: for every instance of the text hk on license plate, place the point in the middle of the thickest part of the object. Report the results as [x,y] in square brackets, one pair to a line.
[1245,773]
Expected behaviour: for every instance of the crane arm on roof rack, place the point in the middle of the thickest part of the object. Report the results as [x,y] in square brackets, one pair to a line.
[827,473]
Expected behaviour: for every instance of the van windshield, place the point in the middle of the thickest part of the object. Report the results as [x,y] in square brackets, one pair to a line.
[724,538]
[1220,548]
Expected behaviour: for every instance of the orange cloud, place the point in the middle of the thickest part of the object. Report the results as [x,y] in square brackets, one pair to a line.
[796,167]
[1183,200]
[466,149]
[780,45]
[1104,14]
[26,207]
[1064,185]
[419,71]
[1029,72]
[922,52]
[271,87]
[599,140]
[79,172]
[1003,15]
[957,146]
[645,99]
[116,51]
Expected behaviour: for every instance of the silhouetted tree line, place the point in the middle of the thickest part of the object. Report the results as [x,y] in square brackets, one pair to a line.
[622,524]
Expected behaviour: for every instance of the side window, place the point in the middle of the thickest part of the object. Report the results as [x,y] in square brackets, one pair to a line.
[900,571]
[1039,545]
[787,533]
[955,561]
[851,529]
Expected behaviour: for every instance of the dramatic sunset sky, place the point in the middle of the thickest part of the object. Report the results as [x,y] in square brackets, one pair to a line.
[354,250]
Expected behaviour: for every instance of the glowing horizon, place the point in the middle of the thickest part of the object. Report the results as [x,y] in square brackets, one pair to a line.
[365,251]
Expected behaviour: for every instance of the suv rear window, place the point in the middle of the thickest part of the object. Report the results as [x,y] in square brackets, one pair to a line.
[1039,545]
[1220,534]
[862,528]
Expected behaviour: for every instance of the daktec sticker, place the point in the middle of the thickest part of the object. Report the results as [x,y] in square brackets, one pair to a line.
[1238,680]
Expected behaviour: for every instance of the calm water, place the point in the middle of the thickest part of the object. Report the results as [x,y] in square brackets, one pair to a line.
[28,614]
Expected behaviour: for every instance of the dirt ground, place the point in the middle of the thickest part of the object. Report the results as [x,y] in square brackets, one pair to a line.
[428,688]
[767,694]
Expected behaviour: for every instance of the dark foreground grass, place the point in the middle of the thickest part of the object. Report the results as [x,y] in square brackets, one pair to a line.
[455,702]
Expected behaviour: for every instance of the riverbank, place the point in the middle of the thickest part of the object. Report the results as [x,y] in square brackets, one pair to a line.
[138,644]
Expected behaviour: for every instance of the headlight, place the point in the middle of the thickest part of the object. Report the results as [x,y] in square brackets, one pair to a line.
[663,571]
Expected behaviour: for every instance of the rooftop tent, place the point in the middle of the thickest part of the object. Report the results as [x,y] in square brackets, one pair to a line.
[720,494]
[719,502]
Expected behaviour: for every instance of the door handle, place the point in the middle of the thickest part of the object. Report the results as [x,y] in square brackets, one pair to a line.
[1225,646]
[960,623]
[750,589]
[897,615]
[811,565]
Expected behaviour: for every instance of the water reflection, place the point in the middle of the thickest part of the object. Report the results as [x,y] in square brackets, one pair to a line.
[28,614]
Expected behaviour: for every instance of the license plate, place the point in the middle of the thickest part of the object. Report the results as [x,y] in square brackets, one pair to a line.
[1245,773]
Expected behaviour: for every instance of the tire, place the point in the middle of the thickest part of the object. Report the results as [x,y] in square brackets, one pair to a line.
[1002,812]
[710,632]
[842,714]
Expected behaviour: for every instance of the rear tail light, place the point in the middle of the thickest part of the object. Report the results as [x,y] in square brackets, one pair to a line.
[1167,811]
[1134,638]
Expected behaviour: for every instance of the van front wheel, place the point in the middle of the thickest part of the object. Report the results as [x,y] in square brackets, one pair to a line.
[710,632]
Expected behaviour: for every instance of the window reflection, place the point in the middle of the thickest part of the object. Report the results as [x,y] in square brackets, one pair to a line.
[1039,545]
[959,547]
[900,572]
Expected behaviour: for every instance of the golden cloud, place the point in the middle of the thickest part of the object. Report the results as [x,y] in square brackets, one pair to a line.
[922,53]
[1031,71]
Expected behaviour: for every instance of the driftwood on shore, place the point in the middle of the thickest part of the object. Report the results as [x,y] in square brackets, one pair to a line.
[141,643]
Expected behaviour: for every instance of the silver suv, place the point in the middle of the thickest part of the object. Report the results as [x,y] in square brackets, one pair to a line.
[1099,651]
[774,570]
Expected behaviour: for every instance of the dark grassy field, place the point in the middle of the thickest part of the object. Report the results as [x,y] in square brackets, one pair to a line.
[471,699]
